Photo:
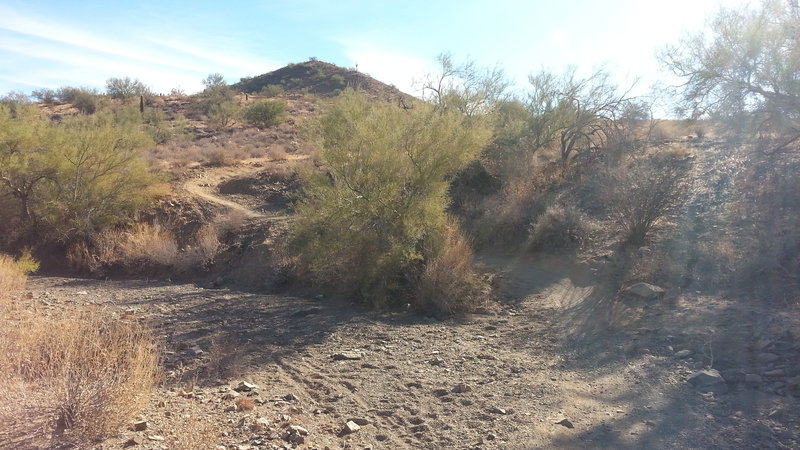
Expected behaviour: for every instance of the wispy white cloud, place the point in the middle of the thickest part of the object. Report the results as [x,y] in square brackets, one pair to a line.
[161,61]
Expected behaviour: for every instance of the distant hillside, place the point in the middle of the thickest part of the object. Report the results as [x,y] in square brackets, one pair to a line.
[320,78]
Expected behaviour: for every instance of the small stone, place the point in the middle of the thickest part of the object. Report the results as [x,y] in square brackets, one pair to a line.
[299,430]
[155,437]
[140,425]
[752,380]
[349,428]
[361,421]
[461,388]
[683,354]
[774,373]
[767,358]
[440,392]
[291,398]
[244,386]
[230,395]
[565,423]
[347,356]
[82,293]
[498,411]
[136,440]
[491,437]
[230,408]
[645,290]
[436,362]
[708,381]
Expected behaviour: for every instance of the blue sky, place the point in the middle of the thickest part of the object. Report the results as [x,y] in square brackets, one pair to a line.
[171,44]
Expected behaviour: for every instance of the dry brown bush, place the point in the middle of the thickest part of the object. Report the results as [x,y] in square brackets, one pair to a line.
[72,379]
[448,283]
[146,247]
[205,249]
[561,227]
[644,193]
[226,359]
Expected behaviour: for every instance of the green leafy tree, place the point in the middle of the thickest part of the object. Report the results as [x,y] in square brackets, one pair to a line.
[373,222]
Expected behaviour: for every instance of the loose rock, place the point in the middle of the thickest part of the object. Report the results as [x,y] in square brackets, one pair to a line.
[140,425]
[752,380]
[347,356]
[683,354]
[136,440]
[708,381]
[461,388]
[565,423]
[244,386]
[349,428]
[645,290]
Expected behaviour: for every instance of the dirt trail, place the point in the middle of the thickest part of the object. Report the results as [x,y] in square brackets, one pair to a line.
[205,185]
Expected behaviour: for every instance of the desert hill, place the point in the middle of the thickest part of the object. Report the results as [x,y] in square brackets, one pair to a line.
[320,78]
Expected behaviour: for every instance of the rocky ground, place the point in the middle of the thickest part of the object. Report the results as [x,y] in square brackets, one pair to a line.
[560,363]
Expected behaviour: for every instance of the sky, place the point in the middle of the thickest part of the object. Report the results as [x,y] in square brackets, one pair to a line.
[175,44]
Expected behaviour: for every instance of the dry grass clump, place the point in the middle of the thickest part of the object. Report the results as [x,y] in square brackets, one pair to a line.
[448,283]
[196,433]
[205,248]
[73,379]
[14,272]
[226,359]
[147,247]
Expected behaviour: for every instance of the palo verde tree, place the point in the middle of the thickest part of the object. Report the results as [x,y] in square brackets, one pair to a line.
[125,88]
[61,181]
[465,87]
[744,69]
[377,217]
[572,111]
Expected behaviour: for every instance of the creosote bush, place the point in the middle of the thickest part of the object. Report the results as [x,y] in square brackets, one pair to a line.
[266,113]
[370,225]
[72,379]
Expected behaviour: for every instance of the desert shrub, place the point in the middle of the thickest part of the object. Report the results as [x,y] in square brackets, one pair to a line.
[45,95]
[370,223]
[223,115]
[71,379]
[70,179]
[272,90]
[645,192]
[448,283]
[124,88]
[560,227]
[267,113]
[83,99]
